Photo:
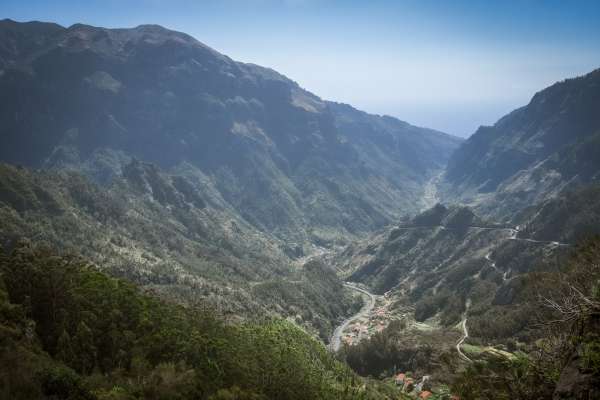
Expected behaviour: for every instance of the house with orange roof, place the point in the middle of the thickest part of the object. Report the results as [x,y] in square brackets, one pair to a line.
[425,394]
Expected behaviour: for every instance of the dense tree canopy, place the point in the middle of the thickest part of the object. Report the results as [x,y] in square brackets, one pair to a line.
[70,332]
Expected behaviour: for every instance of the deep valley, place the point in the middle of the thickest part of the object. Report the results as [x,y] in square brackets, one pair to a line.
[175,224]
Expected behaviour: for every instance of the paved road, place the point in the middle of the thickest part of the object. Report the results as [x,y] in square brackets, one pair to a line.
[550,242]
[336,338]
[493,265]
[513,233]
[465,333]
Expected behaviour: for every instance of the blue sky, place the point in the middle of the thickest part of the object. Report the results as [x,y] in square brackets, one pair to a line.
[449,65]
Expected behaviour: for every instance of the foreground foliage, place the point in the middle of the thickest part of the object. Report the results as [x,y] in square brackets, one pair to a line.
[67,331]
[565,363]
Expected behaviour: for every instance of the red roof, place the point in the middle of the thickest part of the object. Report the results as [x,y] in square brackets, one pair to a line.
[425,394]
[400,377]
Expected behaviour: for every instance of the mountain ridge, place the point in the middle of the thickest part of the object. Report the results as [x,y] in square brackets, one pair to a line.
[532,153]
[290,163]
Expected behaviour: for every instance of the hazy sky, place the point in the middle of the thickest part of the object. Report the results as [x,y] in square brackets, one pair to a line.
[449,65]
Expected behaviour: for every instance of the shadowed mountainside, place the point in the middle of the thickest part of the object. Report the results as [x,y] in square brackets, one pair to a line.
[532,153]
[287,162]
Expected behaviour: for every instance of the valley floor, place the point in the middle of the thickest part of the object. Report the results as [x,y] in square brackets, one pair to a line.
[340,333]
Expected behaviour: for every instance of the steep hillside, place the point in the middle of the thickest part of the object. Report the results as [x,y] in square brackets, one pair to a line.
[532,153]
[448,261]
[69,331]
[562,364]
[284,160]
[570,217]
[158,231]
[461,299]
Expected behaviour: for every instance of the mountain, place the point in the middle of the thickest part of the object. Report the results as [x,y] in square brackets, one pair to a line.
[571,217]
[532,153]
[302,169]
[234,202]
[447,261]
[196,176]
[448,270]
[156,230]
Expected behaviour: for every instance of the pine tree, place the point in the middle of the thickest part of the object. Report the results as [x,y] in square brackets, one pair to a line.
[84,349]
[64,348]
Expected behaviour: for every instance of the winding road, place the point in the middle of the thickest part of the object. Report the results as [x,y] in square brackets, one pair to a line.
[505,274]
[465,333]
[513,233]
[336,338]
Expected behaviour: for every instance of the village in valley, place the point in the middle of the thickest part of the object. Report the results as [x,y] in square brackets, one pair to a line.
[374,322]
[381,311]
[384,311]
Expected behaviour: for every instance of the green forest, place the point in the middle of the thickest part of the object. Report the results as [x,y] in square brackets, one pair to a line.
[68,331]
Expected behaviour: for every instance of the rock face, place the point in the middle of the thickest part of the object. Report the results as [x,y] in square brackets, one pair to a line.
[532,153]
[288,162]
